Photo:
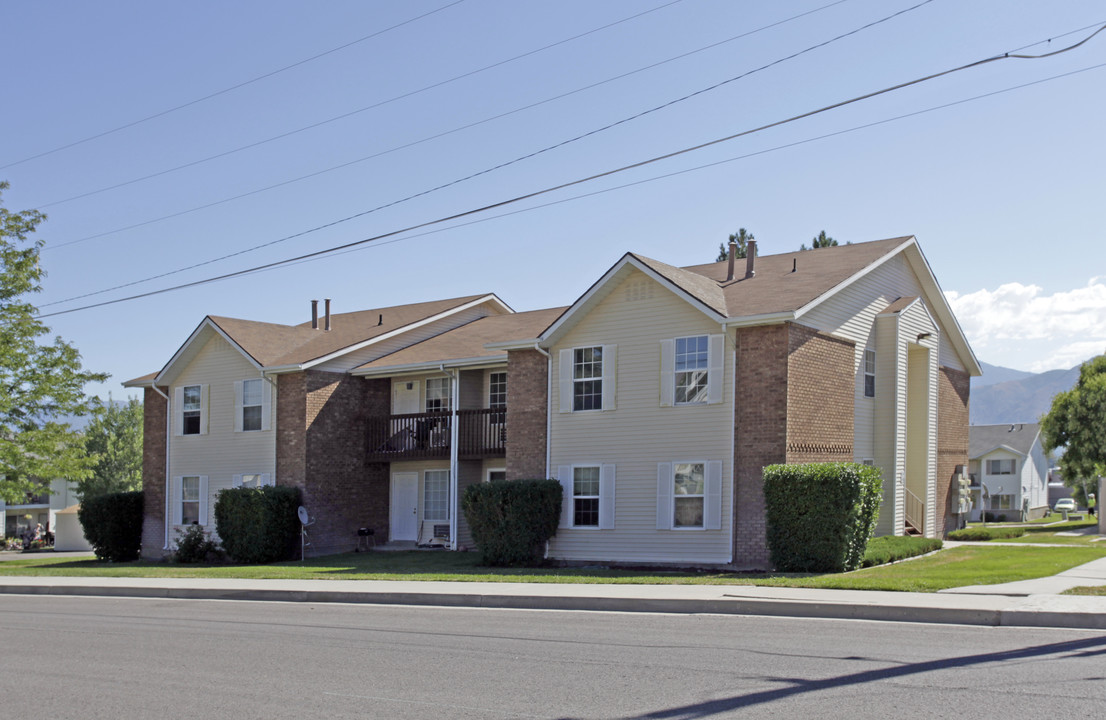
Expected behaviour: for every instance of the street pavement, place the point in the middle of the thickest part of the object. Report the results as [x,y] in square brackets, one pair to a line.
[1028,603]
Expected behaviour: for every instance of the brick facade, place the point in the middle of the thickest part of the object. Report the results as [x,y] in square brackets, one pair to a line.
[953,390]
[154,415]
[820,397]
[527,399]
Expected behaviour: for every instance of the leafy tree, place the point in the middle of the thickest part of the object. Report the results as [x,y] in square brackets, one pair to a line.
[1077,421]
[114,442]
[742,238]
[821,240]
[39,384]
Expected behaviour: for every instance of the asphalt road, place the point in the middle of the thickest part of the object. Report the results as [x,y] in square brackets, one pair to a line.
[125,658]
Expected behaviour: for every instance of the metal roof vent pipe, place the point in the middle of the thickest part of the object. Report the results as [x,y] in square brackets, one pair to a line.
[314,314]
[327,310]
[732,255]
[750,258]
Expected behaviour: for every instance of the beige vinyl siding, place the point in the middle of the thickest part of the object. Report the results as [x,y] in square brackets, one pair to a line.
[347,362]
[221,453]
[639,434]
[915,322]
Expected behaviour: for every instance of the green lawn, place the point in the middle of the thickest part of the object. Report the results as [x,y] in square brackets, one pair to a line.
[968,565]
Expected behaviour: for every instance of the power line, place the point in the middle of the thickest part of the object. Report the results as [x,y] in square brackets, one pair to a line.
[493,168]
[607,173]
[226,90]
[351,113]
[445,133]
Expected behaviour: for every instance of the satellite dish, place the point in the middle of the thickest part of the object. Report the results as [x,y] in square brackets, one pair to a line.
[302,512]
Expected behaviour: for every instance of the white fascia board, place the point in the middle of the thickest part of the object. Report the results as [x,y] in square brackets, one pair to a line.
[206,324]
[432,365]
[944,311]
[853,278]
[583,303]
[512,344]
[765,319]
[1005,448]
[406,328]
[142,384]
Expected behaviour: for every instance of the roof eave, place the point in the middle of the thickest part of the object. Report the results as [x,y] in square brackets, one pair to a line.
[429,366]
[762,319]
[206,323]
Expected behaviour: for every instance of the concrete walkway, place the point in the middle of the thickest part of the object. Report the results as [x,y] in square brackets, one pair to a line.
[1031,603]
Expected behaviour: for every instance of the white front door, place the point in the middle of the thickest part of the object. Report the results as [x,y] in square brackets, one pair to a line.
[405,506]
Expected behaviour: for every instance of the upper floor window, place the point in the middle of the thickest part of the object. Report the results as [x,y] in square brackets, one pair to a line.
[869,373]
[251,404]
[437,394]
[587,378]
[1001,467]
[190,403]
[497,390]
[691,370]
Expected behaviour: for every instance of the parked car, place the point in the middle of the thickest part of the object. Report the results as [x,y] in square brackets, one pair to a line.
[1064,504]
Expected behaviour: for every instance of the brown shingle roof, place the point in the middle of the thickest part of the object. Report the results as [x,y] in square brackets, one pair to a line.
[468,341]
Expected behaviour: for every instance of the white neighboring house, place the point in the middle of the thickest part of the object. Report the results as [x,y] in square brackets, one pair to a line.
[42,508]
[1011,464]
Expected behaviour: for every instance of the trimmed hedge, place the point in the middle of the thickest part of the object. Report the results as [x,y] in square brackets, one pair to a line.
[512,520]
[820,515]
[889,548]
[258,525]
[977,534]
[113,525]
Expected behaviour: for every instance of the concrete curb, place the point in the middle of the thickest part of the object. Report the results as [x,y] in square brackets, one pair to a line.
[974,610]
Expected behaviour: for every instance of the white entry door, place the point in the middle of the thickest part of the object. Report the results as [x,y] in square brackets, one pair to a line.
[405,506]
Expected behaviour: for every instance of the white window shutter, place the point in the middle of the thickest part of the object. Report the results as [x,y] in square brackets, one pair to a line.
[204,405]
[178,497]
[610,370]
[716,345]
[237,482]
[606,497]
[266,404]
[238,408]
[203,499]
[178,410]
[712,513]
[266,479]
[564,372]
[668,373]
[664,496]
[564,475]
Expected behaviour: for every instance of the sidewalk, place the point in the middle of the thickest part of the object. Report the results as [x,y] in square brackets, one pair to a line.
[1030,603]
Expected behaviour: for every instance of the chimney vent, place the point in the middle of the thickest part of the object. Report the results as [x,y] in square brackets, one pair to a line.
[314,314]
[794,264]
[733,253]
[327,311]
[750,258]
[381,320]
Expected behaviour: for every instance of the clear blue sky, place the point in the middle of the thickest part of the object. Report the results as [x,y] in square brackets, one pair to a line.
[1005,193]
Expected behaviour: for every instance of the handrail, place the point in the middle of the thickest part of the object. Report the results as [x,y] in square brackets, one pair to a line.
[915,511]
[482,432]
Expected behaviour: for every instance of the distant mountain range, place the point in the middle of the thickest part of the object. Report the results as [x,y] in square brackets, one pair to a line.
[1003,395]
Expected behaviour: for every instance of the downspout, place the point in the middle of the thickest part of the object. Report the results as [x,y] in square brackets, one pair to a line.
[454,435]
[168,439]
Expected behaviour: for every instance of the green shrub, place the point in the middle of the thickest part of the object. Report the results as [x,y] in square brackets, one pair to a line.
[977,534]
[512,520]
[195,546]
[113,525]
[889,548]
[820,515]
[258,525]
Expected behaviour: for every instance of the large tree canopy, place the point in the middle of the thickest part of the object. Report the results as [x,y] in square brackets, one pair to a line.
[114,442]
[1077,422]
[40,385]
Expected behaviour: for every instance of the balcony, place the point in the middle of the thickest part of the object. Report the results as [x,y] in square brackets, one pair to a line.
[416,436]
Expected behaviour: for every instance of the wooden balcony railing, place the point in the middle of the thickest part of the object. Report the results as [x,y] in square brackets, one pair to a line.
[481,433]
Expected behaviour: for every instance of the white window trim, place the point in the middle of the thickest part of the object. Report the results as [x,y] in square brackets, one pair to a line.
[491,374]
[866,374]
[425,504]
[448,394]
[266,479]
[565,475]
[488,473]
[567,383]
[240,405]
[716,345]
[712,495]
[178,499]
[178,411]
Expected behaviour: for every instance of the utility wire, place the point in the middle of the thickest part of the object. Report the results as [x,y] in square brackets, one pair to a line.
[487,170]
[580,181]
[226,90]
[445,133]
[351,113]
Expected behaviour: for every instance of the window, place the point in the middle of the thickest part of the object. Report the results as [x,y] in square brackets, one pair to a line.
[1001,467]
[252,480]
[497,390]
[190,501]
[1002,502]
[689,495]
[192,408]
[587,378]
[589,494]
[437,395]
[435,495]
[691,370]
[251,404]
[496,475]
[585,496]
[869,373]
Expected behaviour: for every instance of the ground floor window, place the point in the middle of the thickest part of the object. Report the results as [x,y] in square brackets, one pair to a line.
[1002,502]
[689,487]
[585,496]
[190,500]
[435,495]
[495,475]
